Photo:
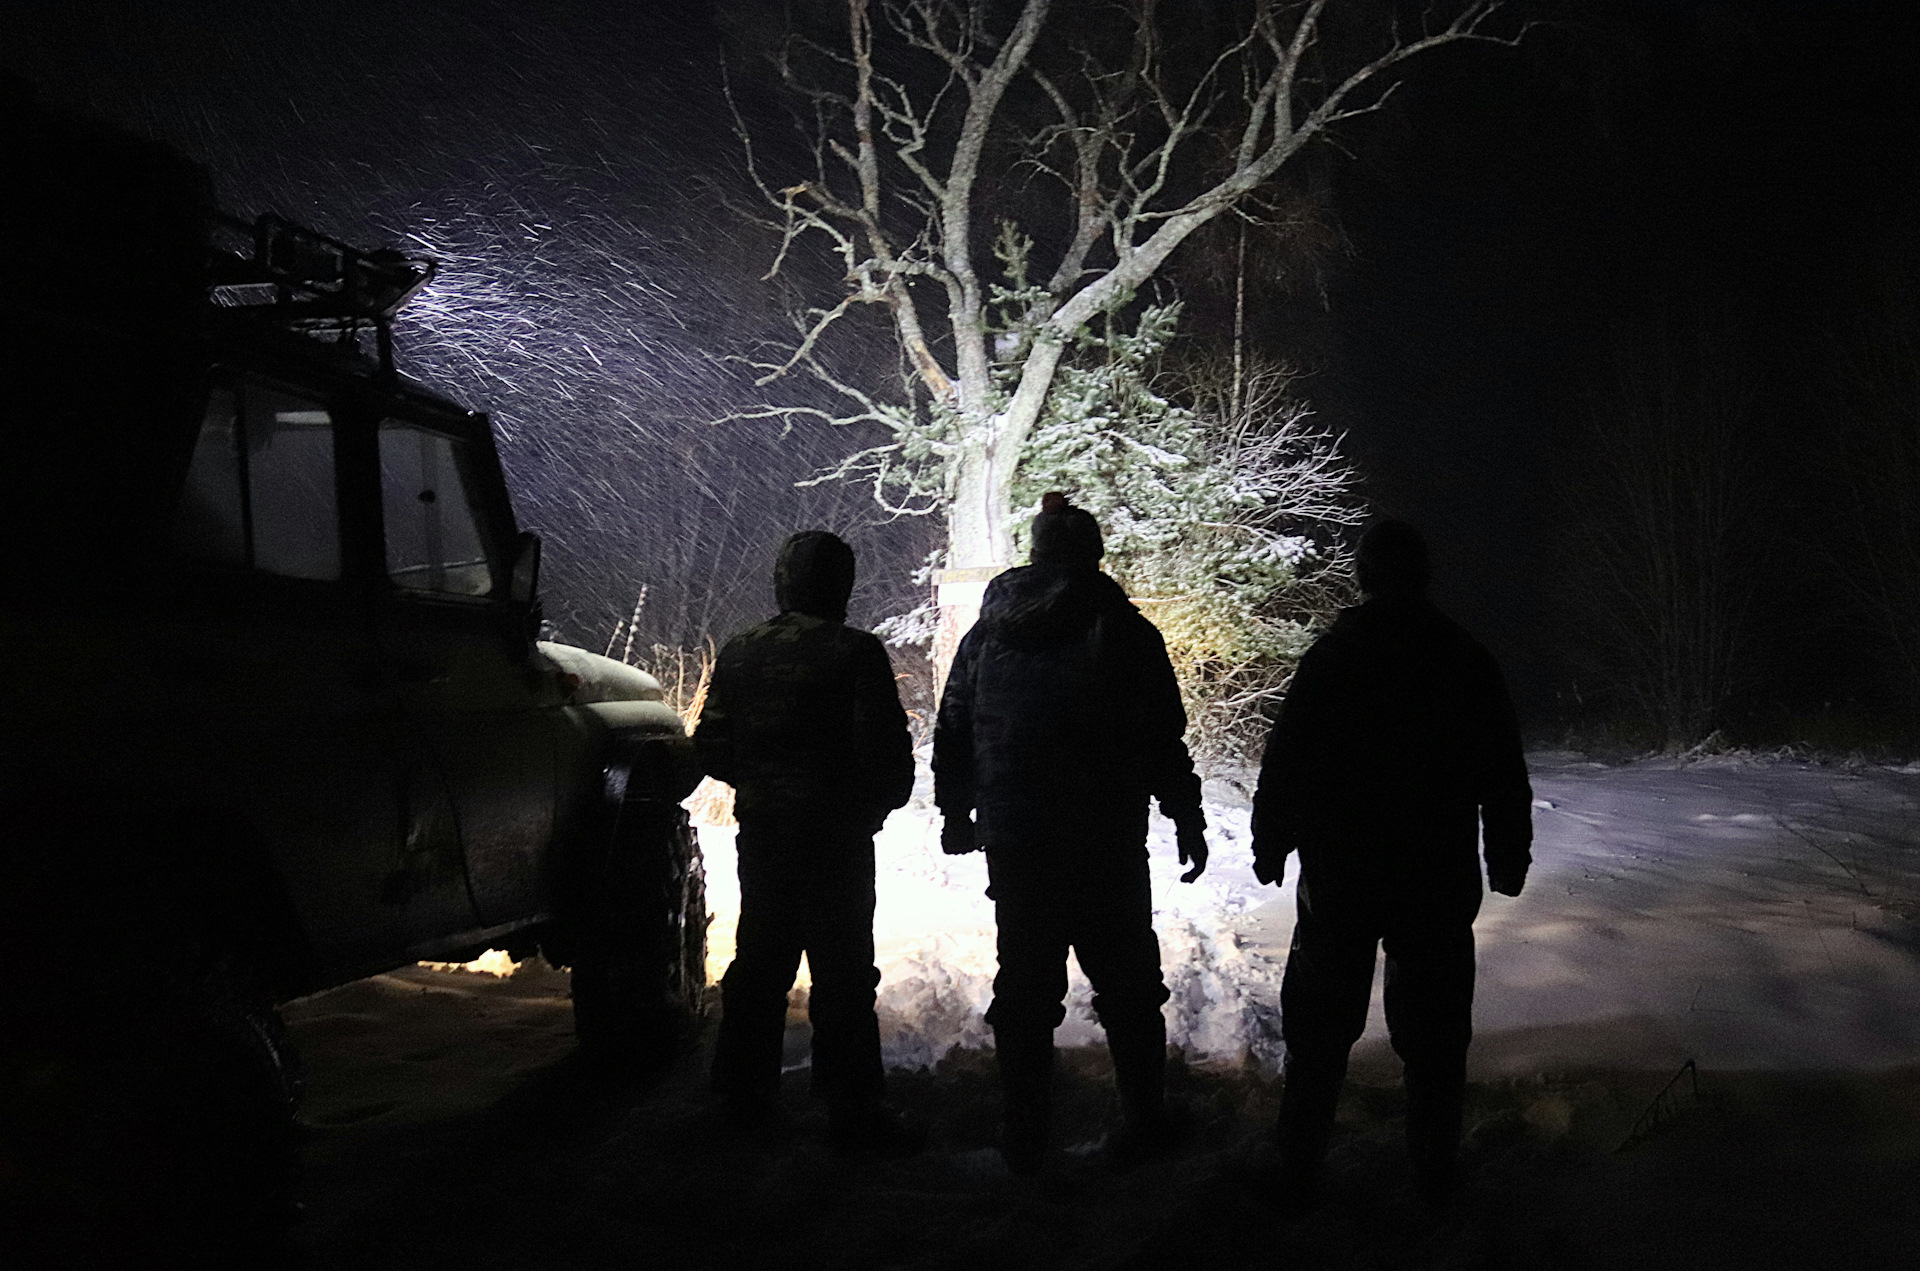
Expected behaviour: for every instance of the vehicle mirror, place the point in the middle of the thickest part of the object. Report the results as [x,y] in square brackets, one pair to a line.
[524,586]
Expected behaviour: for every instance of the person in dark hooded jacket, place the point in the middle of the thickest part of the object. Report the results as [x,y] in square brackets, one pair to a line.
[1395,751]
[1059,719]
[803,720]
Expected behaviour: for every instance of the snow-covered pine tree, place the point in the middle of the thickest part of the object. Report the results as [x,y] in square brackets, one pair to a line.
[1220,508]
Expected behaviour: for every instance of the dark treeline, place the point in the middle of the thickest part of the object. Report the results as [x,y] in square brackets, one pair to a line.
[1628,319]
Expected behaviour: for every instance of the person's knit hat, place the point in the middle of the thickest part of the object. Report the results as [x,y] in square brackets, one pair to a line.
[1064,534]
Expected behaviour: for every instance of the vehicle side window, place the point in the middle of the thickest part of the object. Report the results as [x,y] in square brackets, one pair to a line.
[434,541]
[211,524]
[260,488]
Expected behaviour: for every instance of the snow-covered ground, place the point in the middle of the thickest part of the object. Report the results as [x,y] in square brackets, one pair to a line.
[1746,914]
[1753,916]
[1750,915]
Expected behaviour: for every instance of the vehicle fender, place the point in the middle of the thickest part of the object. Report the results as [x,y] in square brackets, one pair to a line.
[649,742]
[593,677]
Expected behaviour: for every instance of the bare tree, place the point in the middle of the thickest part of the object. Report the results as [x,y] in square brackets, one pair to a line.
[1664,524]
[1873,414]
[1148,123]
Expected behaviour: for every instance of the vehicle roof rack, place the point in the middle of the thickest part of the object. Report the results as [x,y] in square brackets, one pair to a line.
[306,281]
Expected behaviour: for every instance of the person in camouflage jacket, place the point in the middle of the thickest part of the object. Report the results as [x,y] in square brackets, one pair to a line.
[803,720]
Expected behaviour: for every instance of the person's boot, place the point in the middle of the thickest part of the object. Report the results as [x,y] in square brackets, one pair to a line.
[1147,1130]
[1308,1099]
[1025,1058]
[1435,1105]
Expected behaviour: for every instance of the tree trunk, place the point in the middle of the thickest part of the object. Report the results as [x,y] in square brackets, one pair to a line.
[979,542]
[978,545]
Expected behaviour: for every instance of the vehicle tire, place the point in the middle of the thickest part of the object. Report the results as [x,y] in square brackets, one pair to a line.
[639,956]
[146,1107]
[690,989]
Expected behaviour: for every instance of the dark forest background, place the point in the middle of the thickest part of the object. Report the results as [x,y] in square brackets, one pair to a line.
[1625,317]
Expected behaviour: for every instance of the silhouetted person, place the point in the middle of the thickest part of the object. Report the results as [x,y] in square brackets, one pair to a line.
[1059,718]
[1395,750]
[803,720]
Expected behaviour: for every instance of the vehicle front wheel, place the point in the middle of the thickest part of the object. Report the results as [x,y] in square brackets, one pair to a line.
[639,961]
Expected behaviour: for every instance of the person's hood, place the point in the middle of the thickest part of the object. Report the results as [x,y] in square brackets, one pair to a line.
[814,575]
[1033,606]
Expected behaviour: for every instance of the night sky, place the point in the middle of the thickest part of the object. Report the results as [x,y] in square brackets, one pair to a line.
[560,161]
[1520,208]
[1494,227]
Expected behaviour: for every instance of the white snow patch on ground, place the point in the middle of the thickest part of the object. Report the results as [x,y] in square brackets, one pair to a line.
[1747,915]
[494,962]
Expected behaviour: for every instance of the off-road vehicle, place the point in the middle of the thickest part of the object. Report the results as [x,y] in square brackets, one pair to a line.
[273,713]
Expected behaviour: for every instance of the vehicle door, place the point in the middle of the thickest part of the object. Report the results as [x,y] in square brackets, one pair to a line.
[462,659]
[271,669]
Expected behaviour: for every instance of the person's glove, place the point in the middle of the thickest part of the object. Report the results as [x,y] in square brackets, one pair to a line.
[956,834]
[1269,864]
[1189,835]
[1507,879]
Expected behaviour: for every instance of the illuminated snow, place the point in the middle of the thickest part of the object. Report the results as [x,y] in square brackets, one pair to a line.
[1750,914]
[934,941]
[1747,914]
[496,962]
